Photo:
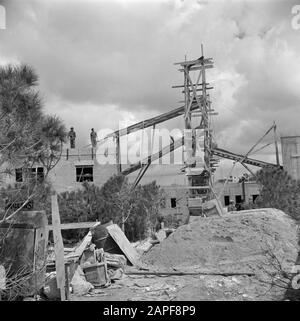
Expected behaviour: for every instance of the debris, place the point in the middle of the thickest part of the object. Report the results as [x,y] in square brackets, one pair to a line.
[79,284]
[115,260]
[50,289]
[124,245]
[99,235]
[161,235]
[79,250]
[96,274]
[25,249]
[116,274]
[88,258]
[144,247]
[100,255]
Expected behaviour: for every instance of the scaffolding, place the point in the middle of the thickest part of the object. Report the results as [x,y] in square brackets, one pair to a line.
[199,163]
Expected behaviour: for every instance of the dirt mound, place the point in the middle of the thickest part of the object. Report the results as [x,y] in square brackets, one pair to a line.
[257,240]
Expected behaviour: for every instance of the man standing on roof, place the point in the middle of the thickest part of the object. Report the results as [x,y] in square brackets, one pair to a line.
[93,138]
[72,136]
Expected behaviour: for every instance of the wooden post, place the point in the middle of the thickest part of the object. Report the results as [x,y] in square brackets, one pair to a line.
[118,158]
[58,248]
[276,145]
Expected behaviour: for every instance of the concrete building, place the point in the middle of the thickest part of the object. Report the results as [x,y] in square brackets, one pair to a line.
[74,167]
[235,191]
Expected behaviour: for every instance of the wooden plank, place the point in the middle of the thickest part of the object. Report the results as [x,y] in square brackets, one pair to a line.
[150,159]
[193,62]
[58,248]
[161,273]
[199,68]
[196,187]
[149,122]
[236,157]
[74,226]
[189,85]
[85,242]
[119,237]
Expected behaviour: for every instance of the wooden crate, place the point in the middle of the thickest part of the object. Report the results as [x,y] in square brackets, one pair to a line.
[96,274]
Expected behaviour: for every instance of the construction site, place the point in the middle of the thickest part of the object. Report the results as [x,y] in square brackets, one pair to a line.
[138,213]
[216,253]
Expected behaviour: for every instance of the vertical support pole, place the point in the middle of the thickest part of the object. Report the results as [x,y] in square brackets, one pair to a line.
[276,144]
[58,248]
[67,153]
[243,190]
[67,282]
[118,159]
[207,138]
[188,139]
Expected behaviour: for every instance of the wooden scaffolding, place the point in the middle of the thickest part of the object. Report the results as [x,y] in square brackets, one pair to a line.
[199,161]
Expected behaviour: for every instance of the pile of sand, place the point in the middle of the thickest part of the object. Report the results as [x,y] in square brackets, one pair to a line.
[255,240]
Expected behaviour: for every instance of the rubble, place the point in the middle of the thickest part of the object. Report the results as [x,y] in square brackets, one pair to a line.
[213,258]
[79,284]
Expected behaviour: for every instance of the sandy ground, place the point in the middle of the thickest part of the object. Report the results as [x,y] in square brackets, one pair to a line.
[184,288]
[234,244]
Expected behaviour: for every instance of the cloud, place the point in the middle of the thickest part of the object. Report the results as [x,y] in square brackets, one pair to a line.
[102,61]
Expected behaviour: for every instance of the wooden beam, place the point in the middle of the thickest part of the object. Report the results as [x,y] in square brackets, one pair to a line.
[236,157]
[194,62]
[118,156]
[199,68]
[276,145]
[150,159]
[197,187]
[58,248]
[79,250]
[198,89]
[189,85]
[74,226]
[158,273]
[148,122]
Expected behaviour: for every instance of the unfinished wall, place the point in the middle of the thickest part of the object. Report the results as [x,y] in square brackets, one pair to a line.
[232,190]
[290,146]
[63,176]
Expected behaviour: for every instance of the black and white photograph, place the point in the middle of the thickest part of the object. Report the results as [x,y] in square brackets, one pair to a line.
[149,153]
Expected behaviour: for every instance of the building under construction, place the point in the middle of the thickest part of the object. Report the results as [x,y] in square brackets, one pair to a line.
[194,185]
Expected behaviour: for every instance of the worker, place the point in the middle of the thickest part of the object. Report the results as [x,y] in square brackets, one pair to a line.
[72,136]
[93,138]
[231,206]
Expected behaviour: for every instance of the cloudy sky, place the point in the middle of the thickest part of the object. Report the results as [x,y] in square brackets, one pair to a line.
[105,62]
